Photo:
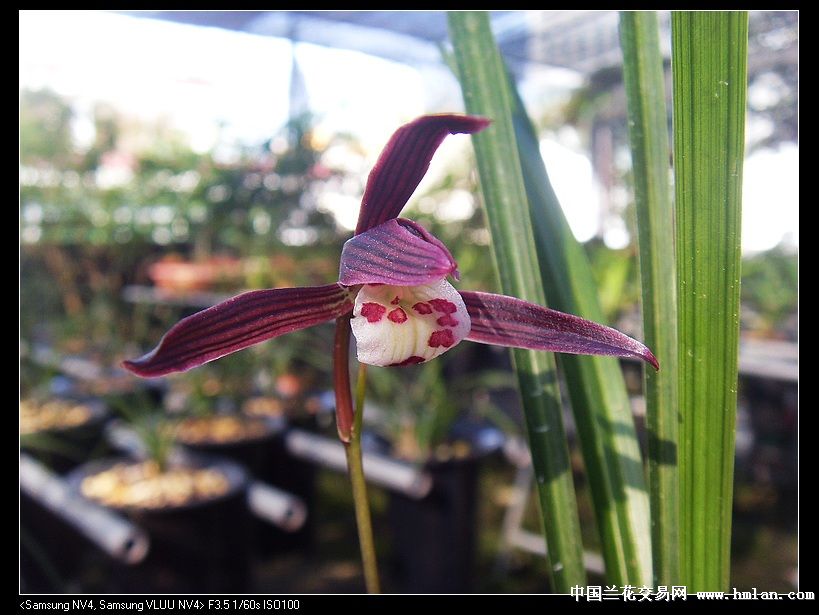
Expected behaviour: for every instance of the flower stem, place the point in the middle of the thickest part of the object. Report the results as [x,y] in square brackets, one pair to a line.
[362,509]
[360,394]
[349,430]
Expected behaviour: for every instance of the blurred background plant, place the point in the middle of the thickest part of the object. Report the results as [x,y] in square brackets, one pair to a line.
[438,401]
[157,433]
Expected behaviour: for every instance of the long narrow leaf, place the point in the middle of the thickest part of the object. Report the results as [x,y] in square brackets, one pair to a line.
[596,387]
[648,131]
[709,65]
[483,81]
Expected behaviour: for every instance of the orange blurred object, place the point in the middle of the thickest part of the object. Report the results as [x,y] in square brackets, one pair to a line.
[177,275]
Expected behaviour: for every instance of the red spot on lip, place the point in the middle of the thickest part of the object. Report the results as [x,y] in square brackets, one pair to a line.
[447,321]
[396,301]
[422,308]
[373,312]
[412,360]
[397,316]
[443,338]
[442,305]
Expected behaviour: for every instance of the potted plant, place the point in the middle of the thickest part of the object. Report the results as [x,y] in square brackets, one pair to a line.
[61,432]
[289,386]
[206,406]
[222,417]
[292,395]
[193,509]
[432,423]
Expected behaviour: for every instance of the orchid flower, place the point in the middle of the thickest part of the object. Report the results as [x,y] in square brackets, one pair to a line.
[392,287]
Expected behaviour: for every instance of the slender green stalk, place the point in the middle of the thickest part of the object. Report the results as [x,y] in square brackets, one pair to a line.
[349,424]
[709,65]
[596,387]
[648,131]
[362,508]
[483,81]
[360,394]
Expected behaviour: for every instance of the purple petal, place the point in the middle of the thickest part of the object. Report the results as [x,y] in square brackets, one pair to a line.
[398,252]
[506,321]
[404,162]
[240,322]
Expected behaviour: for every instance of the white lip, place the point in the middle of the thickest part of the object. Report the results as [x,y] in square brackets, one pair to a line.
[385,337]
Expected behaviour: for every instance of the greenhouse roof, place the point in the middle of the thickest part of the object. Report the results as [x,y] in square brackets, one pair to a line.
[584,41]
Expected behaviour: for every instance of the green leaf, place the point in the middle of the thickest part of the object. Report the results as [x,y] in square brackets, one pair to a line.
[648,131]
[709,65]
[596,387]
[483,81]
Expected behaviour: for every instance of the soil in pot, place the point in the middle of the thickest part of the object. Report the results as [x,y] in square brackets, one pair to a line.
[195,514]
[62,433]
[233,436]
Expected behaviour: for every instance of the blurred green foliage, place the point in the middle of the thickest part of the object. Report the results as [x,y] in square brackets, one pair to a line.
[617,277]
[770,291]
[45,132]
[136,182]
[94,216]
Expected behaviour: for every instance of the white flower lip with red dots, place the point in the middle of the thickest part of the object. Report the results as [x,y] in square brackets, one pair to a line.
[404,325]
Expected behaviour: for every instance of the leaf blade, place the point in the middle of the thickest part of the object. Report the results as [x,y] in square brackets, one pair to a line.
[482,78]
[710,78]
[644,80]
[596,387]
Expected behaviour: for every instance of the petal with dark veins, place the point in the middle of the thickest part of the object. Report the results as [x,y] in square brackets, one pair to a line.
[507,321]
[399,252]
[240,322]
[404,162]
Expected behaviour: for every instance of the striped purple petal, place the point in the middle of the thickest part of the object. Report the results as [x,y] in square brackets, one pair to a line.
[398,252]
[240,322]
[404,162]
[507,321]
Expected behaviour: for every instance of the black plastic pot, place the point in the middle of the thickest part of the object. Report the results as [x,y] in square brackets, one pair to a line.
[199,547]
[434,538]
[294,476]
[267,459]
